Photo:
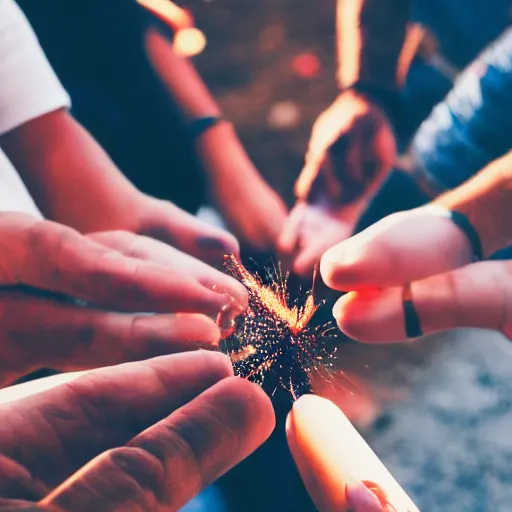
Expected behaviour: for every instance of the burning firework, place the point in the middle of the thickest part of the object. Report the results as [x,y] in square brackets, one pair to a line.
[274,338]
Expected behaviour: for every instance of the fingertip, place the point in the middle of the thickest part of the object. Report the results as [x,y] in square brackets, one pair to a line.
[304,265]
[214,363]
[196,327]
[255,405]
[206,366]
[365,316]
[335,269]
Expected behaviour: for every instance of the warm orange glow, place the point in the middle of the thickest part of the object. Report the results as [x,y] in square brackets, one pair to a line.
[169,12]
[274,299]
[189,42]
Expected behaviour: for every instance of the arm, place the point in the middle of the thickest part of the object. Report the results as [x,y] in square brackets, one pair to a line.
[71,178]
[370,34]
[252,210]
[486,200]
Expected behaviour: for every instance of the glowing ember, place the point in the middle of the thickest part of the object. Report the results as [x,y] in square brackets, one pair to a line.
[273,340]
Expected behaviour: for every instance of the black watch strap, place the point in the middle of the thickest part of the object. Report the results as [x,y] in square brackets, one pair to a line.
[202,124]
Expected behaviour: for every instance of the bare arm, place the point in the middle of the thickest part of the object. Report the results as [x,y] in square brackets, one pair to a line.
[71,178]
[486,200]
[371,34]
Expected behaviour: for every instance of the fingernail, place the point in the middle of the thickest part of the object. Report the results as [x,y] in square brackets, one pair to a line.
[362,499]
[227,318]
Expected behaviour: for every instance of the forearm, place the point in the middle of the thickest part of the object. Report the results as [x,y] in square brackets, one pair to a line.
[180,78]
[371,35]
[486,200]
[70,177]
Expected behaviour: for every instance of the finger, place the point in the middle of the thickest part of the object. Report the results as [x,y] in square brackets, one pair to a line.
[16,483]
[53,257]
[331,456]
[36,333]
[403,247]
[288,240]
[152,250]
[478,296]
[25,506]
[171,462]
[100,410]
[171,225]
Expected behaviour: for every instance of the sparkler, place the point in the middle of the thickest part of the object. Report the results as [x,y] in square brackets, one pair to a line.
[273,340]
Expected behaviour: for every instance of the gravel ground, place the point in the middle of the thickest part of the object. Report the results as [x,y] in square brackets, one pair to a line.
[448,439]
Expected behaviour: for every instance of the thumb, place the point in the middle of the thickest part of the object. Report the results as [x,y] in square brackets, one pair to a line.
[331,457]
[400,248]
[478,295]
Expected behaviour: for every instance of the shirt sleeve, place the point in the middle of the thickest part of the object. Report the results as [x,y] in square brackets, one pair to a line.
[29,87]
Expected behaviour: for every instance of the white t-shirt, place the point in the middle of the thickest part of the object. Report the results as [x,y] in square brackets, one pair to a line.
[29,88]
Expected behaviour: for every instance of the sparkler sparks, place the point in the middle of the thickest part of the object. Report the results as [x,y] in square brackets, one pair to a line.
[273,339]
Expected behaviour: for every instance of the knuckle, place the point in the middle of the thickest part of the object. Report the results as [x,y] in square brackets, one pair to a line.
[140,471]
[47,241]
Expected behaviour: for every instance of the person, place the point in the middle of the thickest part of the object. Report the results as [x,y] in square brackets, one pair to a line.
[76,288]
[392,73]
[153,114]
[147,435]
[45,144]
[420,271]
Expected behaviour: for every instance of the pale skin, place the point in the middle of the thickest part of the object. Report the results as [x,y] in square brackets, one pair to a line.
[145,436]
[426,249]
[352,145]
[429,251]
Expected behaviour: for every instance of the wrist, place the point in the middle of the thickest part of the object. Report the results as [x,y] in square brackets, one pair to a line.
[388,99]
[201,125]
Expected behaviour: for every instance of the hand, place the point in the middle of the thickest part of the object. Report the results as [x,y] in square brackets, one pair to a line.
[339,470]
[144,436]
[309,231]
[167,223]
[252,210]
[44,265]
[433,254]
[352,147]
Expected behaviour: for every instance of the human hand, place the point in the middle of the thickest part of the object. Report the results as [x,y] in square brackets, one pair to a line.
[167,223]
[429,251]
[120,276]
[352,146]
[251,208]
[144,436]
[338,468]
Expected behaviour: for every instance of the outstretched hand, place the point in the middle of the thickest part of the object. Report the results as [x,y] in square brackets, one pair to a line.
[142,436]
[351,149]
[45,267]
[434,255]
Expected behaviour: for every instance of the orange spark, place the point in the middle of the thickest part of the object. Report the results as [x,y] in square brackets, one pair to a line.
[274,299]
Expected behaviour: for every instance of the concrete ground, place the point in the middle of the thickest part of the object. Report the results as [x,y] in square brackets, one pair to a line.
[450,442]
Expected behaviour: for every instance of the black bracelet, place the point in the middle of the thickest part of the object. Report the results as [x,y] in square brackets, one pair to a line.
[462,222]
[200,125]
